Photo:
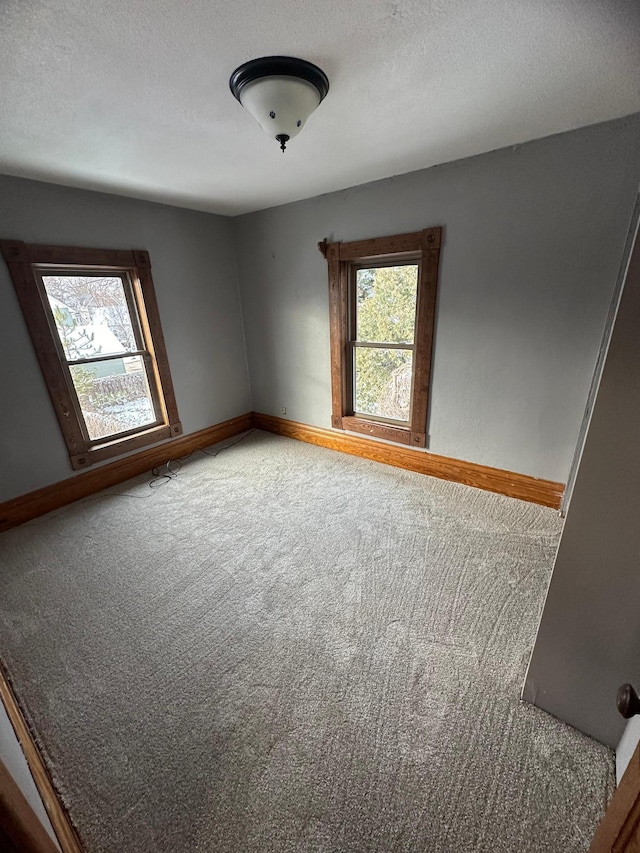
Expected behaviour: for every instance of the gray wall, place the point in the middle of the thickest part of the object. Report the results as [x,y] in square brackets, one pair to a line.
[195,279]
[532,242]
[589,637]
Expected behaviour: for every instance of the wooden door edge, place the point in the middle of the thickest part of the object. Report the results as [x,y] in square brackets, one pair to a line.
[20,827]
[64,830]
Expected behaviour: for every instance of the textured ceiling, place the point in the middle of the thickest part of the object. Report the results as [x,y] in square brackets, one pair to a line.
[133,98]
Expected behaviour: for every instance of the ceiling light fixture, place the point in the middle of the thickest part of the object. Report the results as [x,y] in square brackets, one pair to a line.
[280,92]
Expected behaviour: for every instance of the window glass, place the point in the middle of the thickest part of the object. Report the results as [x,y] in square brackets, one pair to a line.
[114,395]
[382,382]
[386,303]
[91,315]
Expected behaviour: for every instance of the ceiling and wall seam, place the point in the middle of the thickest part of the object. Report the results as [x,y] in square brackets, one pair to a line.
[133,98]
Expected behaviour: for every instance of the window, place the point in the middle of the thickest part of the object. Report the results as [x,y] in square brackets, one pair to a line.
[93,319]
[382,297]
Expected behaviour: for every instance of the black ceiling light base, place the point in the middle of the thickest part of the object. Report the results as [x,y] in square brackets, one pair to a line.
[283,138]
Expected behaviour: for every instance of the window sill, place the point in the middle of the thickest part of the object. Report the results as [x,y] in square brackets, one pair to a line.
[109,449]
[397,434]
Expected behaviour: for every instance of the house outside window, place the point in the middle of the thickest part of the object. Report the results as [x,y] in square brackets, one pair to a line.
[382,298]
[94,322]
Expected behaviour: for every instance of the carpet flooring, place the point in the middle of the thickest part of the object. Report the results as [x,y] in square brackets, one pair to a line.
[289,649]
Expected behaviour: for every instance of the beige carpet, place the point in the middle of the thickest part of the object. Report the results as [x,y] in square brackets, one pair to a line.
[289,649]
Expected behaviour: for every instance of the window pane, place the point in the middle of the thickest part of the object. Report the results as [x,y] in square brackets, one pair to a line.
[91,314]
[114,395]
[386,304]
[383,382]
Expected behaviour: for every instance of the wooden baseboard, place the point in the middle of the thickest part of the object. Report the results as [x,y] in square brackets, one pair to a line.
[21,509]
[532,489]
[68,839]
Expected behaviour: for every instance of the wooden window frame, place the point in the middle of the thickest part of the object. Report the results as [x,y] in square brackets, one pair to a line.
[423,248]
[27,263]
